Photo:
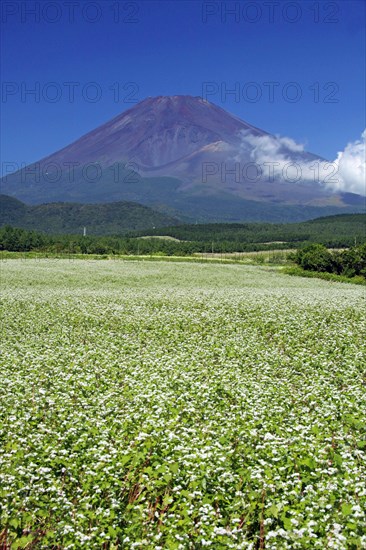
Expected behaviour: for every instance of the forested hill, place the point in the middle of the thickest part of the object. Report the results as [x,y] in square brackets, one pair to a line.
[339,230]
[99,219]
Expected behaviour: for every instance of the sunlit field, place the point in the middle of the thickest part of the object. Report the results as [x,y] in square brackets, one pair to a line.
[178,406]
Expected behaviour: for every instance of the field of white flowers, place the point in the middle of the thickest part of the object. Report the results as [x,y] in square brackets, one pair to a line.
[178,406]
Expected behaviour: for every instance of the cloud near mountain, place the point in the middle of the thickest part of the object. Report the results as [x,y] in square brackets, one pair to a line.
[351,165]
[281,158]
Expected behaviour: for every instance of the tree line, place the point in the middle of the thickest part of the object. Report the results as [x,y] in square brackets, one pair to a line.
[316,257]
[23,240]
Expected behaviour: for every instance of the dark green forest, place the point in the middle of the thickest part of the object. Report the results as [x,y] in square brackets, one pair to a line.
[342,230]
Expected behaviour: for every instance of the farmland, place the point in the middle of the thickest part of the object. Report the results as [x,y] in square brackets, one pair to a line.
[176,405]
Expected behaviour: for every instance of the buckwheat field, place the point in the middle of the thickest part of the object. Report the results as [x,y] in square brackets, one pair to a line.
[177,406]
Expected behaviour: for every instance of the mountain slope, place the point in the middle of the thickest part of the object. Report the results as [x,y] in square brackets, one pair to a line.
[185,153]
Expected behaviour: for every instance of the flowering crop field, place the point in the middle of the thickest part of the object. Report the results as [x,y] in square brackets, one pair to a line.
[178,406]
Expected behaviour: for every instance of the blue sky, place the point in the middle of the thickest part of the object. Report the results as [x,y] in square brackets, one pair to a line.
[310,54]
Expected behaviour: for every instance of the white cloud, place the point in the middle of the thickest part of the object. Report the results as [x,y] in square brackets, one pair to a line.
[282,156]
[351,165]
[291,144]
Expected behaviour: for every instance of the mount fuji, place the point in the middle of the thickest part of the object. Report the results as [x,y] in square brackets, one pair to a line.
[186,156]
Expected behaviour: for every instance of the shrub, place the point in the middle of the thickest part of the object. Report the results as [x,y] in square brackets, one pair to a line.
[349,263]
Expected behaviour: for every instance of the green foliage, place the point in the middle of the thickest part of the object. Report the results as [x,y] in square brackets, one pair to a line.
[349,263]
[19,240]
[315,257]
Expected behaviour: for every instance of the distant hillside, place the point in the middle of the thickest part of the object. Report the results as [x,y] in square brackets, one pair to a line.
[340,230]
[99,219]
